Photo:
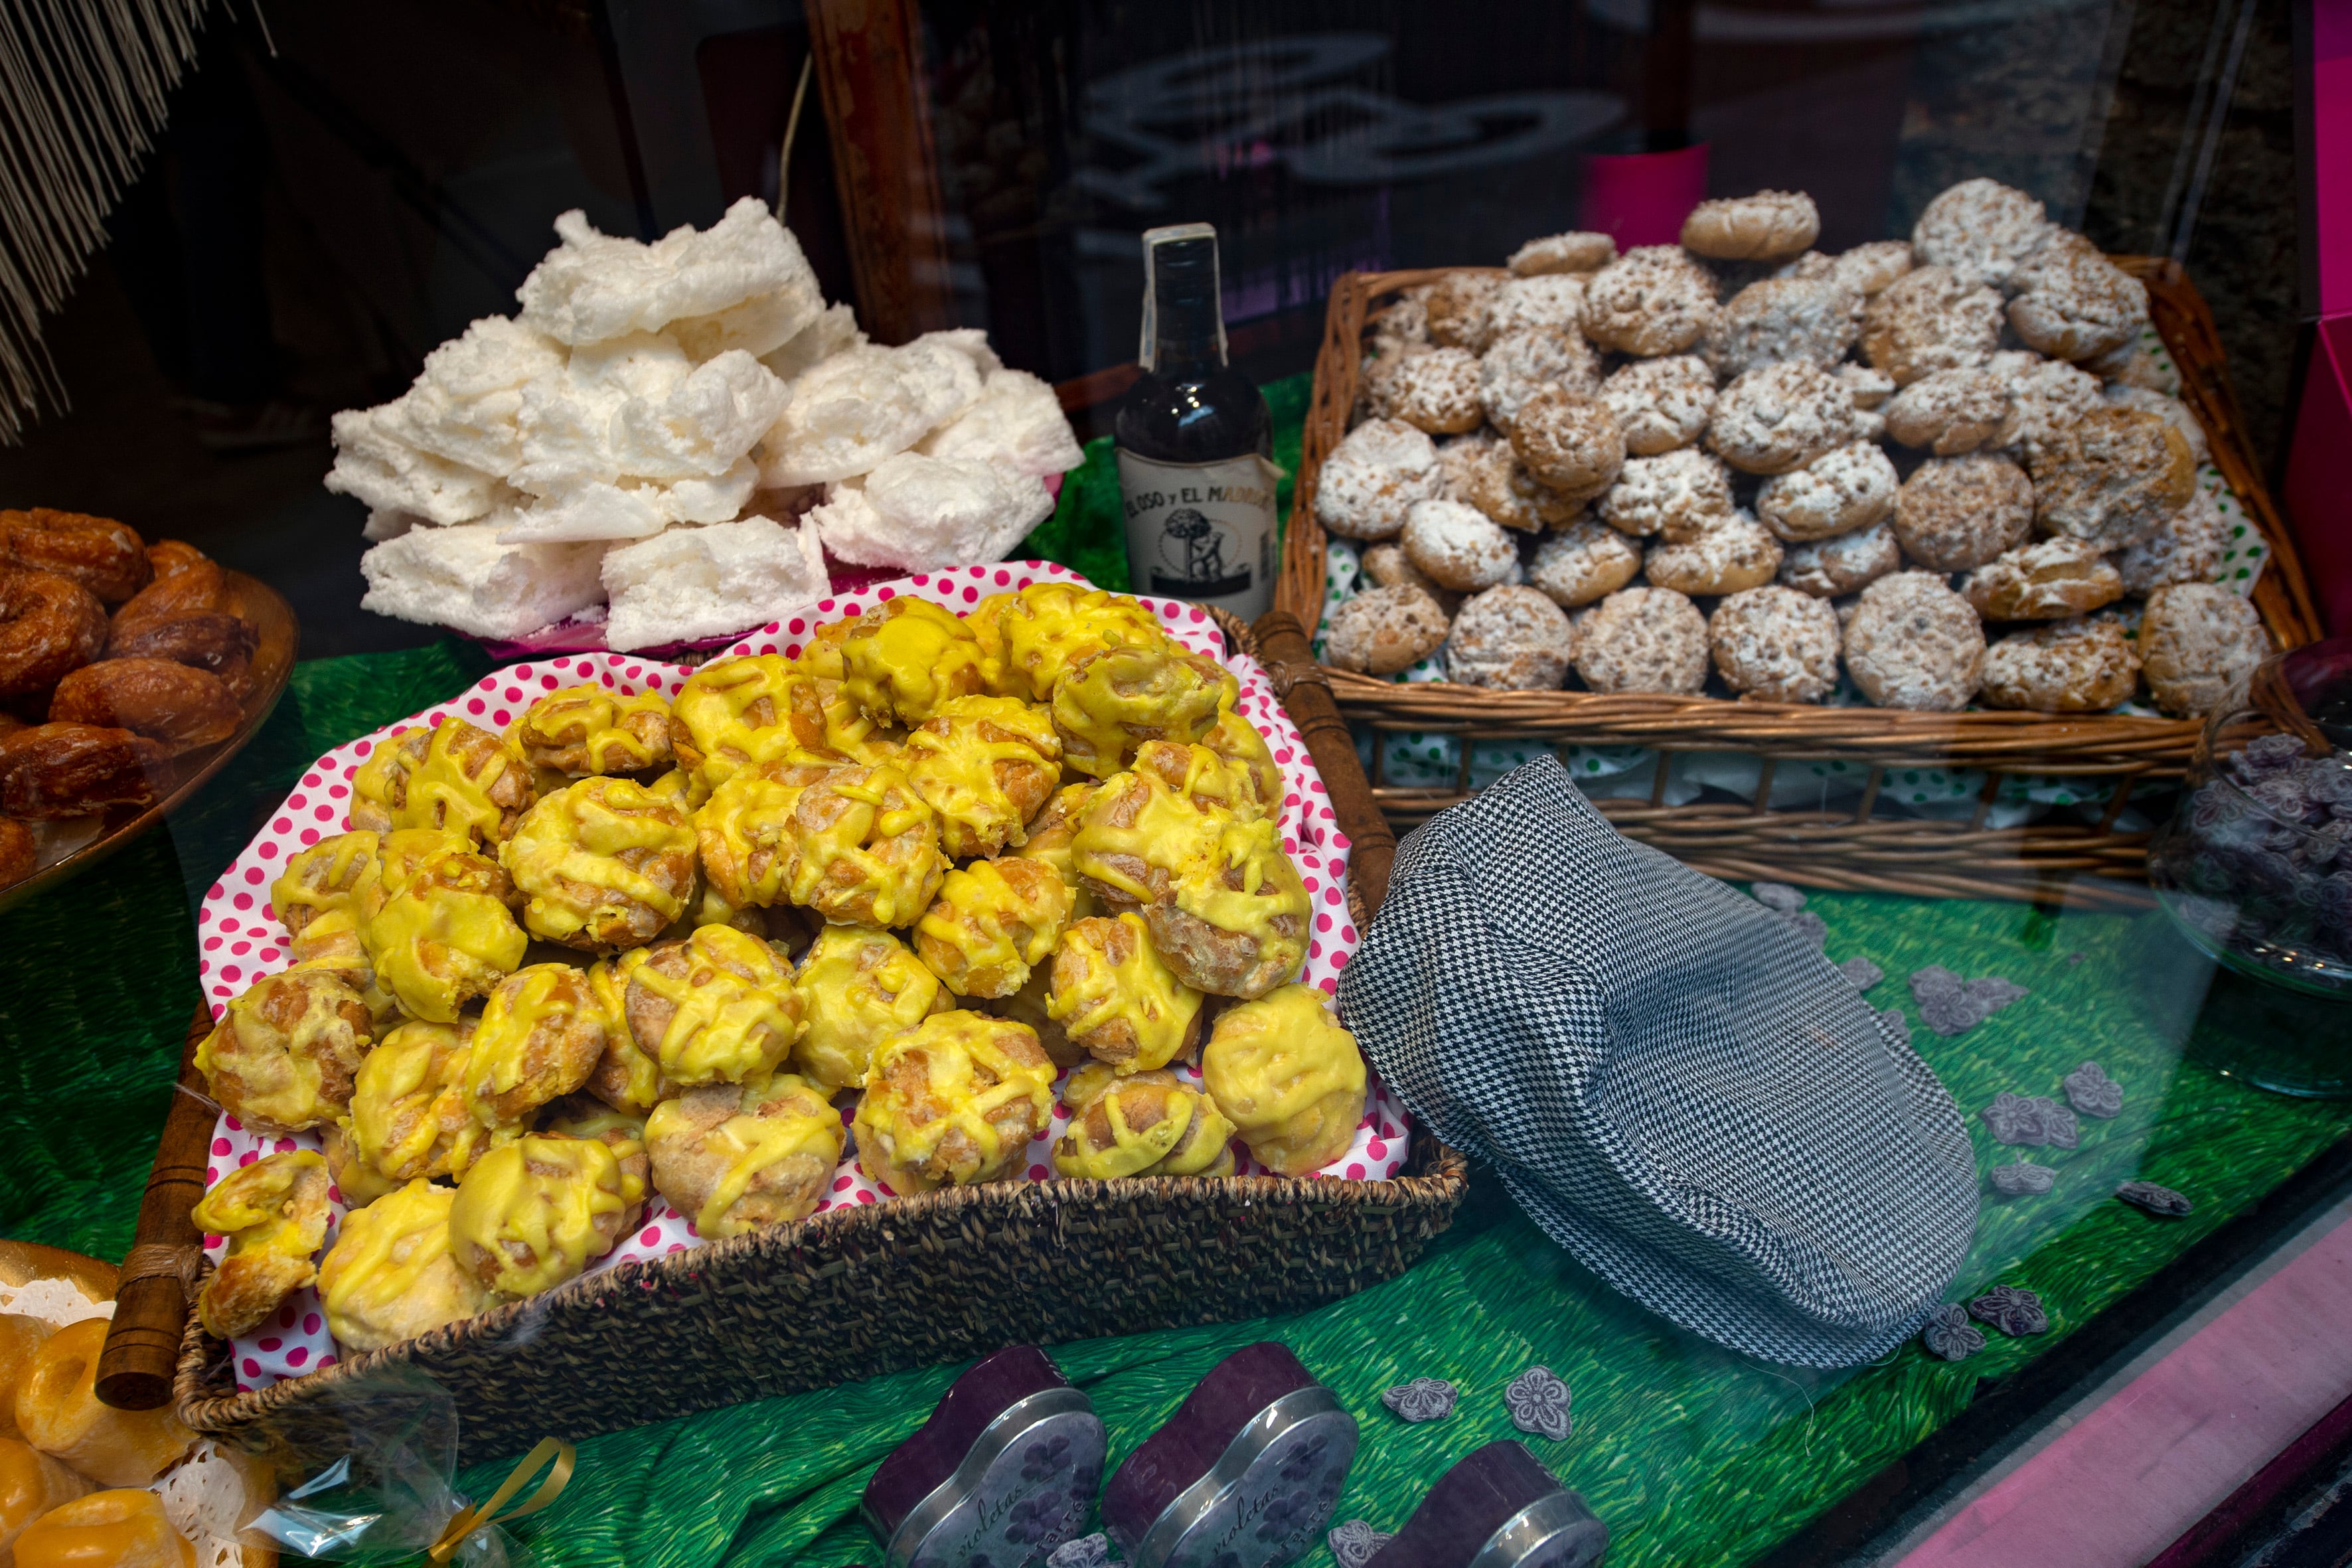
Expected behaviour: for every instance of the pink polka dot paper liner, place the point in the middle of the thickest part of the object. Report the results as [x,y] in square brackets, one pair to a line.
[239,939]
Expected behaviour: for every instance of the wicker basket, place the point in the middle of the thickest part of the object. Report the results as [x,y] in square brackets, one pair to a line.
[844,1295]
[2091,864]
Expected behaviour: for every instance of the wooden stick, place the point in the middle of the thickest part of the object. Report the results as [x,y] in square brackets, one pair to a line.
[1373,843]
[151,1309]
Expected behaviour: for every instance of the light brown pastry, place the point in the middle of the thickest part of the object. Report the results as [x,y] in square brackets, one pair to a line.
[1483,470]
[51,771]
[2186,547]
[1459,546]
[1661,403]
[1437,392]
[1777,418]
[1575,251]
[1677,494]
[1383,631]
[1949,412]
[1913,643]
[1954,513]
[2066,666]
[1870,389]
[1147,1125]
[1458,304]
[1652,300]
[2045,581]
[101,554]
[1389,566]
[49,625]
[1376,472]
[1869,268]
[1568,441]
[1510,639]
[1781,319]
[274,1214]
[606,863]
[1930,320]
[2079,306]
[1585,562]
[1775,644]
[2046,396]
[1733,553]
[2112,479]
[1553,303]
[1848,488]
[1827,568]
[1766,227]
[1981,230]
[2197,642]
[177,706]
[2170,409]
[1518,365]
[1642,639]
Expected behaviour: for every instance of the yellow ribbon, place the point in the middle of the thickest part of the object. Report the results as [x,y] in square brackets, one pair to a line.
[559,1476]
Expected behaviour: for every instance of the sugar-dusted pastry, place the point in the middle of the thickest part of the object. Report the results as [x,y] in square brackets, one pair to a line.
[2187,547]
[1383,630]
[390,1276]
[1730,554]
[58,1411]
[456,777]
[1930,320]
[718,1006]
[2066,666]
[856,845]
[1836,493]
[410,1113]
[1485,471]
[1913,643]
[1955,513]
[1515,640]
[274,1214]
[2113,477]
[532,1213]
[578,731]
[1288,1077]
[1044,628]
[1052,828]
[33,1484]
[734,1157]
[1642,639]
[126,1528]
[1981,229]
[1652,300]
[1376,470]
[1568,440]
[445,932]
[986,764]
[1575,251]
[858,986]
[1779,417]
[283,1054]
[2076,304]
[955,1100]
[1459,547]
[605,863]
[1107,704]
[1774,319]
[539,1036]
[1436,391]
[1114,997]
[1775,644]
[992,923]
[2047,580]
[908,657]
[1519,364]
[1227,908]
[1146,1125]
[2198,641]
[1661,403]
[1826,568]
[1677,494]
[1460,305]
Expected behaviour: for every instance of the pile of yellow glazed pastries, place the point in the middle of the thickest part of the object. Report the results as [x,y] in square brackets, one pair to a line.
[902,883]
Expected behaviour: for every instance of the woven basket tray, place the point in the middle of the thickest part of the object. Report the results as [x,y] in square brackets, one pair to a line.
[2078,863]
[846,1294]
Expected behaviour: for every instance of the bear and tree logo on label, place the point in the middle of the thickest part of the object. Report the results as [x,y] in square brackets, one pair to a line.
[1200,532]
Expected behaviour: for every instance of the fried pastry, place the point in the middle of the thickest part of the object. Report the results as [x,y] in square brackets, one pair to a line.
[177,706]
[624,1078]
[334,876]
[1107,704]
[1028,1006]
[443,933]
[579,731]
[734,1157]
[733,714]
[357,1181]
[1147,1125]
[856,845]
[274,1214]
[993,922]
[283,1054]
[1289,1077]
[1037,633]
[908,657]
[122,1528]
[532,1213]
[955,1100]
[1235,742]
[58,1411]
[390,1276]
[31,1485]
[411,1114]
[986,764]
[858,986]
[1049,837]
[606,863]
[541,1033]
[457,778]
[1118,1000]
[718,1006]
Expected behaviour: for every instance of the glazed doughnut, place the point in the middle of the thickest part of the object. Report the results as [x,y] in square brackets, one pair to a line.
[181,707]
[74,770]
[19,853]
[49,625]
[199,585]
[210,639]
[101,554]
[169,555]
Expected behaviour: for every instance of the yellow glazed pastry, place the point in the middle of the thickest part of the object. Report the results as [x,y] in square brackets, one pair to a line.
[410,1113]
[1108,703]
[719,1006]
[683,789]
[1288,1077]
[581,1116]
[357,1181]
[734,1157]
[541,1034]
[740,713]
[1206,780]
[31,1484]
[1225,905]
[625,1076]
[1028,1006]
[1147,1125]
[443,933]
[390,1276]
[120,1529]
[1235,742]
[992,923]
[820,655]
[57,1412]
[906,658]
[1049,837]
[584,729]
[1037,633]
[284,1054]
[605,862]
[333,875]
[954,1099]
[1116,998]
[274,1213]
[987,765]
[456,778]
[858,987]
[534,1213]
[855,844]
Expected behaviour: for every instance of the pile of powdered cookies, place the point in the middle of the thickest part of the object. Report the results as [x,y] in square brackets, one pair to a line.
[1943,469]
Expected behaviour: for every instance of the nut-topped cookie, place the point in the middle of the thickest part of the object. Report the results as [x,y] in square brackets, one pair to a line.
[1568,441]
[1677,495]
[2186,547]
[1982,230]
[1913,643]
[2112,478]
[1732,554]
[1642,639]
[1518,365]
[1827,568]
[1767,227]
[1949,412]
[1458,305]
[2196,642]
[1436,392]
[1652,300]
[2066,666]
[1585,562]
[1661,403]
[1781,319]
[2047,580]
[1577,250]
[1954,513]
[1848,488]
[2079,305]
[1775,644]
[1375,473]
[1383,631]
[1777,418]
[1511,639]
[1930,320]
[1459,547]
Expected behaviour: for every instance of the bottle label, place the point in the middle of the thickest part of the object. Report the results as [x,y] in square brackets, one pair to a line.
[1203,531]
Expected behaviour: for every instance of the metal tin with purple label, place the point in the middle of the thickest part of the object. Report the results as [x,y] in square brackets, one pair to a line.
[1269,1495]
[1022,1490]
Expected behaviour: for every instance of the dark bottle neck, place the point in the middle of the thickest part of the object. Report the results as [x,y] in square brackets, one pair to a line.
[1187,340]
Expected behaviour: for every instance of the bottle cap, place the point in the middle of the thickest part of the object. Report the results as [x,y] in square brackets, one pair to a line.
[1181,280]
[1498,1507]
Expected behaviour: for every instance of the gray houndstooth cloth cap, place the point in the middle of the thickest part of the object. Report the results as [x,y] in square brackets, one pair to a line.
[1670,1080]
